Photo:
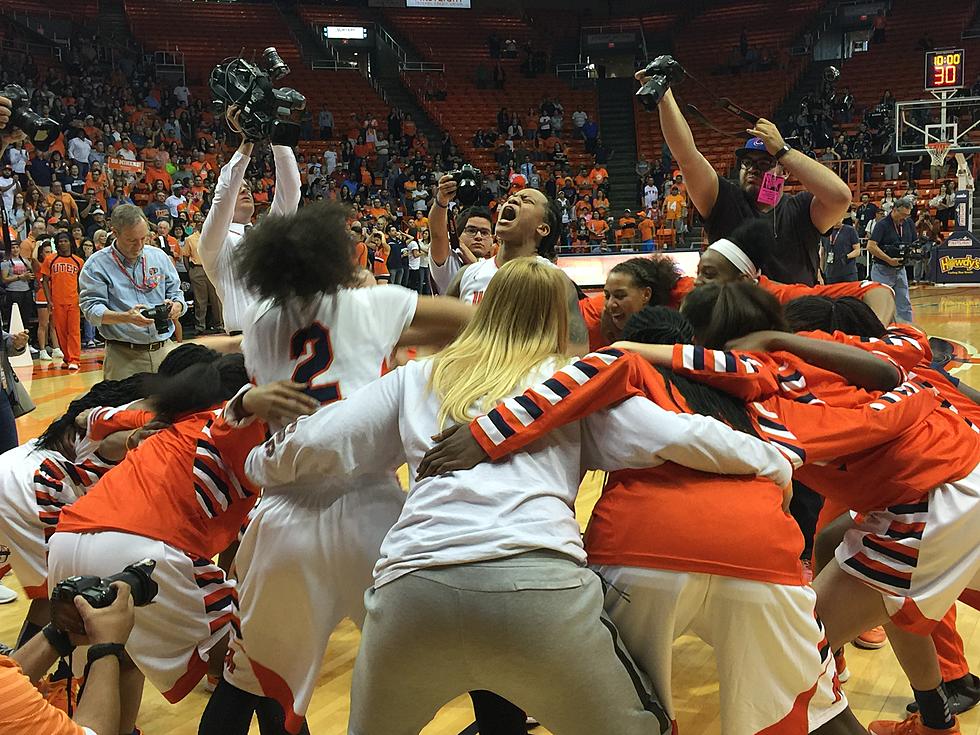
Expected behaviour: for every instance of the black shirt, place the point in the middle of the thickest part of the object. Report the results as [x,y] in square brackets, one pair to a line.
[797,240]
[893,239]
[840,268]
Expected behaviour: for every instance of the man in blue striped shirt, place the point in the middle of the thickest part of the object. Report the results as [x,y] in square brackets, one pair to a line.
[115,287]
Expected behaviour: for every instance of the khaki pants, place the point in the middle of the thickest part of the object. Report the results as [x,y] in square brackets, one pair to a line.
[121,361]
[204,295]
[530,628]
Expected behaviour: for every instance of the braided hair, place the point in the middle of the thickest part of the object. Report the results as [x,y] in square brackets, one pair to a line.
[197,388]
[184,356]
[658,325]
[659,273]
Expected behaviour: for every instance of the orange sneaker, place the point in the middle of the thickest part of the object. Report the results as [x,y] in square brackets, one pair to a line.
[871,640]
[912,726]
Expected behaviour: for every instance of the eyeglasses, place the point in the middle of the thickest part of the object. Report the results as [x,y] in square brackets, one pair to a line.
[759,164]
[473,231]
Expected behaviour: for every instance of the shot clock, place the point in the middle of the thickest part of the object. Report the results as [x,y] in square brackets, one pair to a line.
[945,70]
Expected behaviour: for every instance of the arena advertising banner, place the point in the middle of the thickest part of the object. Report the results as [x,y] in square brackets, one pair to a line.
[958,259]
[437,3]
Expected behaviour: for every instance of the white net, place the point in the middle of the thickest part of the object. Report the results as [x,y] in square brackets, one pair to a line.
[938,152]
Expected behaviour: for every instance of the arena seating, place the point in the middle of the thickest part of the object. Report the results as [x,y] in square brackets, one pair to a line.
[438,37]
[83,10]
[759,91]
[257,26]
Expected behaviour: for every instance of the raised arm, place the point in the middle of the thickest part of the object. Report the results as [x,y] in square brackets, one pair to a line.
[699,175]
[222,211]
[288,184]
[348,437]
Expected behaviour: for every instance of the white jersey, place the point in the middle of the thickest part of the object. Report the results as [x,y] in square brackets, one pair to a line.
[476,278]
[520,503]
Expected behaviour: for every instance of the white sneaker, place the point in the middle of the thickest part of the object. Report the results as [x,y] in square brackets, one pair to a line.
[7,595]
[56,352]
[72,366]
[44,356]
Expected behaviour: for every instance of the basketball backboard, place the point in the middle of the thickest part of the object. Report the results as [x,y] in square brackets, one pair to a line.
[955,120]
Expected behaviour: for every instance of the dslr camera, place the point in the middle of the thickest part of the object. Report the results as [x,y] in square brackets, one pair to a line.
[265,111]
[41,131]
[98,592]
[663,71]
[160,314]
[469,181]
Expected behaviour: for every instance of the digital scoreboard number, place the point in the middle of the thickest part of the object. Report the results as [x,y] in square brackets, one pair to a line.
[945,70]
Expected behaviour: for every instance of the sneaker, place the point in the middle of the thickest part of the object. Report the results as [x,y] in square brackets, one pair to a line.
[56,352]
[871,640]
[89,345]
[962,694]
[72,366]
[912,726]
[7,595]
[43,356]
[843,674]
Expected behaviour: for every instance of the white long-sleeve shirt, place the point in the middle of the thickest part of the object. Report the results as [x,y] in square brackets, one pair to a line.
[521,503]
[220,235]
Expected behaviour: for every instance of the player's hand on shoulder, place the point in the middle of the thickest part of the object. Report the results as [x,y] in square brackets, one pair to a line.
[455,449]
[279,402]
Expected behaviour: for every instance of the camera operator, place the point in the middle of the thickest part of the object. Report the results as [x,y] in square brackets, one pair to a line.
[23,711]
[889,244]
[231,213]
[119,285]
[798,219]
[473,226]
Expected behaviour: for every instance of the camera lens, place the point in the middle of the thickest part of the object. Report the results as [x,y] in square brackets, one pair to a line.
[277,68]
[138,577]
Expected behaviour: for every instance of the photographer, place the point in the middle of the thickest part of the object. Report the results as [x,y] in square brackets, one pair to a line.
[23,711]
[798,219]
[474,227]
[119,285]
[231,213]
[889,244]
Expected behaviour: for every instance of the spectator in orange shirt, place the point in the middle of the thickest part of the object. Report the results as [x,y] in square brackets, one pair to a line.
[23,711]
[582,182]
[583,207]
[598,175]
[674,205]
[601,202]
[158,172]
[59,279]
[647,228]
[626,232]
[598,227]
[67,200]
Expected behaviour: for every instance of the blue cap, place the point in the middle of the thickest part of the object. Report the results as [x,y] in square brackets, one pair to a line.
[752,145]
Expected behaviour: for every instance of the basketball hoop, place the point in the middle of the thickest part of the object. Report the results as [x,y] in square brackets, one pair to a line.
[938,151]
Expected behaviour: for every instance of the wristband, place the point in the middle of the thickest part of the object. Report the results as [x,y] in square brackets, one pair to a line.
[59,640]
[101,650]
[440,205]
[782,151]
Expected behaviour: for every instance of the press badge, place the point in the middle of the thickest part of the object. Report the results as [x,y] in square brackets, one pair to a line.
[771,189]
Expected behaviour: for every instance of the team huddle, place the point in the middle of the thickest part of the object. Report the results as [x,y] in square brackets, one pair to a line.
[703,399]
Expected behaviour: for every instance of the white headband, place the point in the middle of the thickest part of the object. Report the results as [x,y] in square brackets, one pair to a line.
[736,256]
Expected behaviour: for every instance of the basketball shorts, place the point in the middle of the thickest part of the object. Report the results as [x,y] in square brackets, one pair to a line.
[22,530]
[193,610]
[303,565]
[921,555]
[775,668]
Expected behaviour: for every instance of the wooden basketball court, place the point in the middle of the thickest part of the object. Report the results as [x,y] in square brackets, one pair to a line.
[877,688]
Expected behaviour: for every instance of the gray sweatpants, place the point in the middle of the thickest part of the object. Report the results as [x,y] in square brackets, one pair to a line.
[530,628]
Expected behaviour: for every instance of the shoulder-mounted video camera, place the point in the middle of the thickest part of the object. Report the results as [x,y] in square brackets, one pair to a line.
[264,111]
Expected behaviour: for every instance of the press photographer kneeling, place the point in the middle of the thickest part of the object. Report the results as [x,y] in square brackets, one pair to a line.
[23,711]
[889,243]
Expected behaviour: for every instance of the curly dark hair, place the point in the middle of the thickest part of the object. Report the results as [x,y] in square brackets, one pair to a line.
[847,314]
[198,388]
[105,393]
[720,312]
[184,356]
[659,273]
[299,256]
[659,325]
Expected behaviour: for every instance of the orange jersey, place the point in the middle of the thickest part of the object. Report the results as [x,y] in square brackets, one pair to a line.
[185,486]
[941,448]
[62,277]
[644,517]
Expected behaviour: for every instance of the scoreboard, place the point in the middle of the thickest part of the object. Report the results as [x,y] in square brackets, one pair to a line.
[945,70]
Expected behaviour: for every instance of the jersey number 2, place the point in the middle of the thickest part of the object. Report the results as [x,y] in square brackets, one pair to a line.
[313,342]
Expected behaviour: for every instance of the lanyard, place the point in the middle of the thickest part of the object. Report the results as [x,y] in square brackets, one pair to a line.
[146,286]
